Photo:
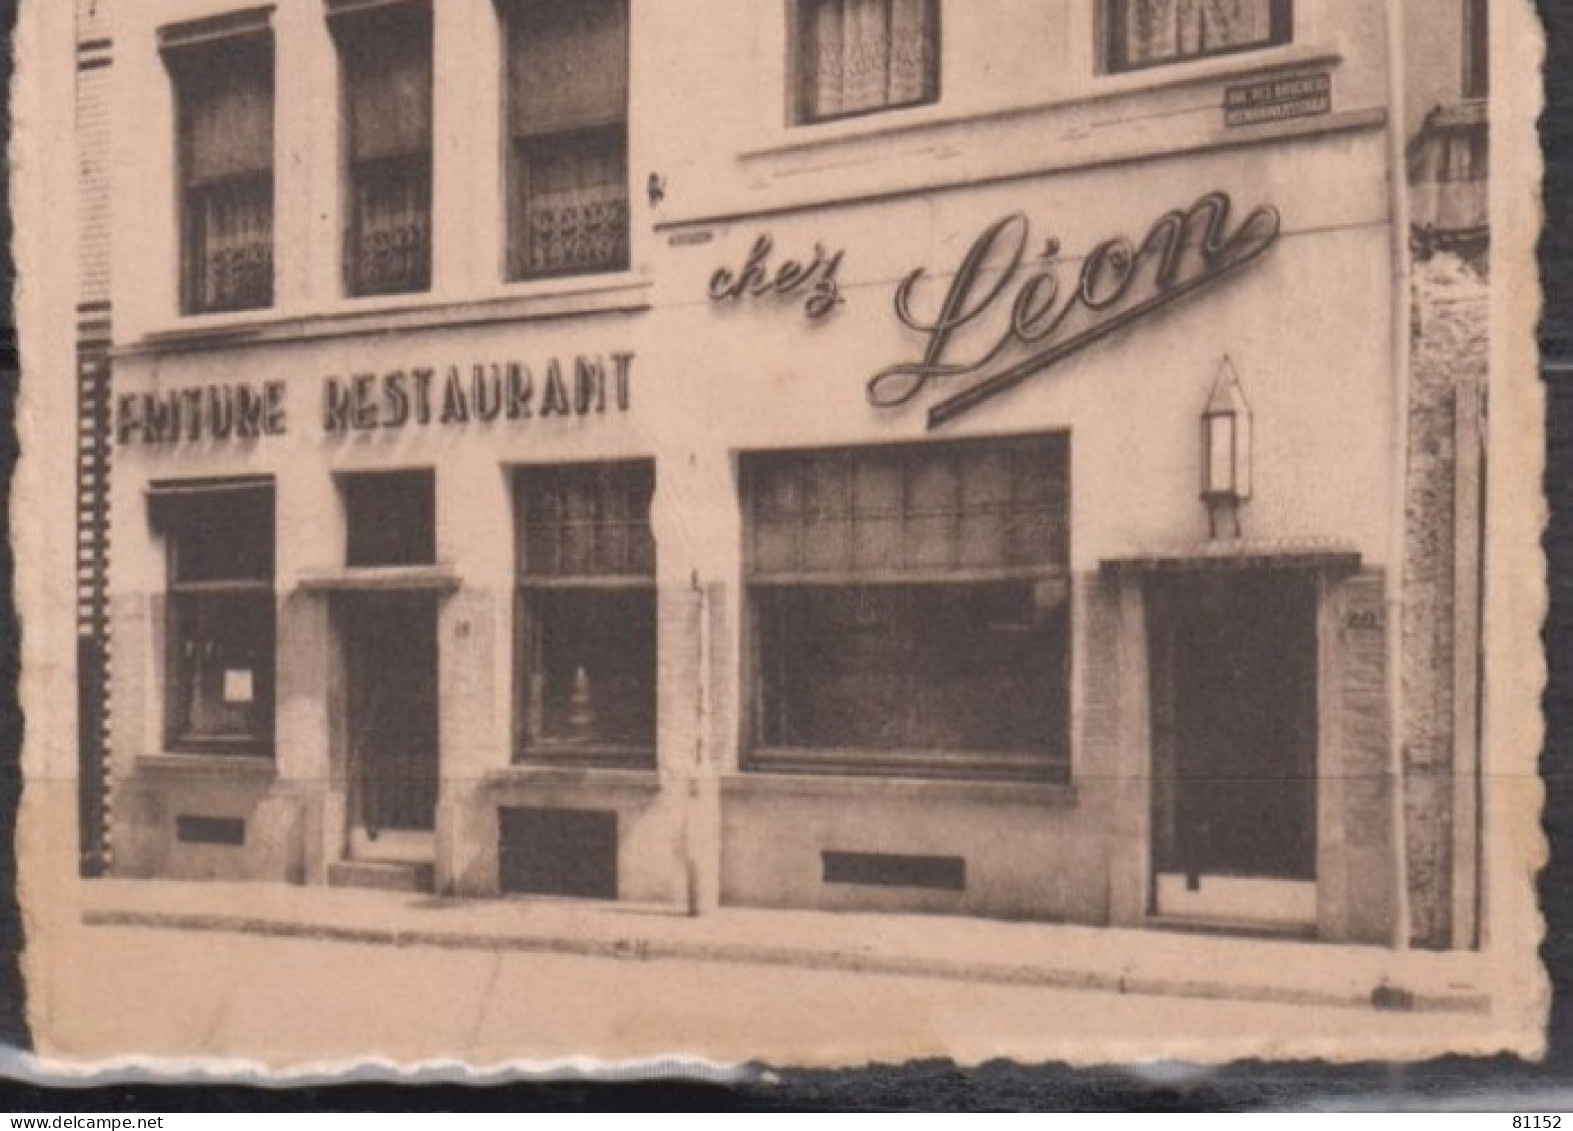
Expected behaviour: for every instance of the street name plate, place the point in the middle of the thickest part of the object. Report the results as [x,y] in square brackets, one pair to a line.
[1278,99]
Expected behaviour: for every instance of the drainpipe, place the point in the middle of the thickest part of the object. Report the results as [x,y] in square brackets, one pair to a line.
[1398,192]
[697,846]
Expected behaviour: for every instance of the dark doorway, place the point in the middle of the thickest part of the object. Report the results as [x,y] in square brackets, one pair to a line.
[1234,693]
[390,654]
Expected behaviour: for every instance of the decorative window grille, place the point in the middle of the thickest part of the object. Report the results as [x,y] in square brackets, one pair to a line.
[861,56]
[587,605]
[910,609]
[224,106]
[1147,33]
[220,656]
[568,136]
[386,54]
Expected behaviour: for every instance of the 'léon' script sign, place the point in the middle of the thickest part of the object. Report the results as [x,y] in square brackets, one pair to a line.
[1120,282]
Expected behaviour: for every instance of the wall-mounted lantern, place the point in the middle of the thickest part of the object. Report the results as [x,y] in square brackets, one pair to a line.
[1226,451]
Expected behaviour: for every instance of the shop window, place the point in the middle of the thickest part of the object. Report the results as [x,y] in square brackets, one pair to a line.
[1148,33]
[223,79]
[390,518]
[568,136]
[386,57]
[587,610]
[1477,49]
[220,634]
[909,610]
[862,56]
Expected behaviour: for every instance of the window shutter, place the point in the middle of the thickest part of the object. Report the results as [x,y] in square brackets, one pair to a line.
[570,64]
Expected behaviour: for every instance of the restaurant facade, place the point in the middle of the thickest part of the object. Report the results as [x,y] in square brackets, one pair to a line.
[976,458]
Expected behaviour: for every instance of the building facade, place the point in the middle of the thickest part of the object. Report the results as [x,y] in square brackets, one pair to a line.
[978,458]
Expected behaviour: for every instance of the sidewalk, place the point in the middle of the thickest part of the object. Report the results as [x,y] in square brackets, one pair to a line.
[1138,962]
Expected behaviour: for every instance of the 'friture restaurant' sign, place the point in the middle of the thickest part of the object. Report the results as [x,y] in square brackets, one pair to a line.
[590,385]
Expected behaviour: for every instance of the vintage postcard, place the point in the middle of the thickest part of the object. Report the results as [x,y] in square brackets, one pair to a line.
[560,534]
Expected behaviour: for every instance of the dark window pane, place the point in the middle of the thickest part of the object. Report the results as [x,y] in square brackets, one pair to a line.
[221,669]
[223,536]
[390,518]
[945,668]
[591,672]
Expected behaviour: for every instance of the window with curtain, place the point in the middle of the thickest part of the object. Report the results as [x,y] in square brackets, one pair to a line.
[909,609]
[587,614]
[220,638]
[224,103]
[859,56]
[386,57]
[567,136]
[1146,33]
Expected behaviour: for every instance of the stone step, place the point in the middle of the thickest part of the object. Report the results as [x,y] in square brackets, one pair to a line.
[384,875]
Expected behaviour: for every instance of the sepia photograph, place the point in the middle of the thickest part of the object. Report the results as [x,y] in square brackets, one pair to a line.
[559,536]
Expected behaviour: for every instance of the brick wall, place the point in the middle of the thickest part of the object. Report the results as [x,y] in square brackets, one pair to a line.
[94,57]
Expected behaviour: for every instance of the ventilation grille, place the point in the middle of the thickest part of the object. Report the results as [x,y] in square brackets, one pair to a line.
[885,869]
[229,831]
[558,852]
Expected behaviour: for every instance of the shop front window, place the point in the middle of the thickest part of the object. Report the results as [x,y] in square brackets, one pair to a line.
[220,666]
[909,610]
[386,56]
[568,136]
[1147,33]
[587,609]
[862,56]
[224,108]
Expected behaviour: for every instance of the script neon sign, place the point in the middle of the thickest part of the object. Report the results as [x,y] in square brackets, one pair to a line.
[1119,283]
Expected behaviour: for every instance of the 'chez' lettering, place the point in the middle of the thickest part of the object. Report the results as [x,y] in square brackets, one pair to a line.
[1040,324]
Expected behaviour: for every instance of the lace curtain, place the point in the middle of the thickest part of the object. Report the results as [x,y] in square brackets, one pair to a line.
[865,54]
[227,168]
[1160,30]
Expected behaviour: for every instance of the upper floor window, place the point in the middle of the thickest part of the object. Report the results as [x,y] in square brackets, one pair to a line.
[860,56]
[567,136]
[223,77]
[1149,33]
[386,56]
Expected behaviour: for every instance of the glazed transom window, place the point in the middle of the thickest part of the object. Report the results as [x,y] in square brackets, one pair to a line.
[909,609]
[1148,33]
[861,56]
[587,614]
[224,111]
[567,136]
[220,634]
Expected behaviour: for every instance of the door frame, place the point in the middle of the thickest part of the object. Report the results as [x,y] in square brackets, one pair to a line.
[389,844]
[1244,903]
